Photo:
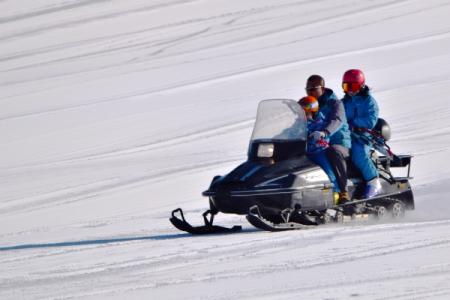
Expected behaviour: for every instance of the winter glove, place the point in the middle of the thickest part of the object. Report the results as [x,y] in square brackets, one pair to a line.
[317,135]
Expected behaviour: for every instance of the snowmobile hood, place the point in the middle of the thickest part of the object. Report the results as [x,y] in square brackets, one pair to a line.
[253,178]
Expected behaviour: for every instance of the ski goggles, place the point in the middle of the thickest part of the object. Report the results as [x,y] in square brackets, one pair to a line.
[313,88]
[351,87]
[310,107]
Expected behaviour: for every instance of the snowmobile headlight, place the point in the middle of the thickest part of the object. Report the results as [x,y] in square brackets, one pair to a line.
[265,150]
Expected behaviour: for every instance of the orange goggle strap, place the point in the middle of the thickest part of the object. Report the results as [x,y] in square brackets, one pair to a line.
[351,87]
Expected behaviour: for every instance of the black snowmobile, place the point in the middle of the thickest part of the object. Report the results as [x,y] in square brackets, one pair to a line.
[279,188]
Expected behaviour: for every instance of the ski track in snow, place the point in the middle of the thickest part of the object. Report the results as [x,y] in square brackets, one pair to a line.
[86,217]
[242,250]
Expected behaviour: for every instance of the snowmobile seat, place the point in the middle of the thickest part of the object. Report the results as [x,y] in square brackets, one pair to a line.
[398,161]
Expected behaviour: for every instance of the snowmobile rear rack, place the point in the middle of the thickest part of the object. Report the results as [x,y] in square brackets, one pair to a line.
[397,161]
[208,228]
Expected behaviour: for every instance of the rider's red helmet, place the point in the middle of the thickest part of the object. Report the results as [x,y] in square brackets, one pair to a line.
[309,104]
[353,81]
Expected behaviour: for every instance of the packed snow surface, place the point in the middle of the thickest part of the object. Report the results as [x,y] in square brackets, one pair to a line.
[113,113]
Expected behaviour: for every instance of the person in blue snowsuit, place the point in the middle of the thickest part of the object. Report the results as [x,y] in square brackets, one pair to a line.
[335,129]
[361,110]
[316,147]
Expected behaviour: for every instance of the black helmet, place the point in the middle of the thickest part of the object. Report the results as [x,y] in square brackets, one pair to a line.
[383,128]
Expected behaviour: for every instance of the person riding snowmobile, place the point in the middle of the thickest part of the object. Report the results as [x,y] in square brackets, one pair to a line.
[361,110]
[317,145]
[336,129]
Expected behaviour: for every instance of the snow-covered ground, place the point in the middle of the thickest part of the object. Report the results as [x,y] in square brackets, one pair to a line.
[113,113]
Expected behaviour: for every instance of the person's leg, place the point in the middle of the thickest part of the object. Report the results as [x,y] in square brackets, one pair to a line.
[337,155]
[322,160]
[361,159]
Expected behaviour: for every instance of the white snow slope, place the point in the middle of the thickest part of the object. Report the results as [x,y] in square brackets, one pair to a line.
[113,113]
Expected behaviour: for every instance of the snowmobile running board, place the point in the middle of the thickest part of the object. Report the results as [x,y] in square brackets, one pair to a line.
[348,209]
[351,208]
[379,197]
[208,228]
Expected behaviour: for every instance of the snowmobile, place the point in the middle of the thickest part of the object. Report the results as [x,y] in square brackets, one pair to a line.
[278,188]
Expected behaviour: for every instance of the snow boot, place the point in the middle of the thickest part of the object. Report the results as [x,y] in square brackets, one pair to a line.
[343,198]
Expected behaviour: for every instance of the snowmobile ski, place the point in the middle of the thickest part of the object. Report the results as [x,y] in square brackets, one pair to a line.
[208,228]
[255,218]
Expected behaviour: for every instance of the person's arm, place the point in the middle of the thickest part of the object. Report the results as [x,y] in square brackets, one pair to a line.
[337,117]
[367,117]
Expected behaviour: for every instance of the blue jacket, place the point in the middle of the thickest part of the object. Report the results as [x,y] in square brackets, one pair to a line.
[361,109]
[335,118]
[316,124]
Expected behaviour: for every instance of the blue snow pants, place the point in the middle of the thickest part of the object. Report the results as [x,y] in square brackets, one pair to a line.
[321,159]
[361,160]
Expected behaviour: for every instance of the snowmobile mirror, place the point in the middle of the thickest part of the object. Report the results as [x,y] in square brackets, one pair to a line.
[265,150]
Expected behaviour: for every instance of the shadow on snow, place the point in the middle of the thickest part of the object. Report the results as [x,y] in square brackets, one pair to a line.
[109,241]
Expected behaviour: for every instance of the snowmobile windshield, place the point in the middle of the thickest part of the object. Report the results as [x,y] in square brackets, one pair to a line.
[279,120]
